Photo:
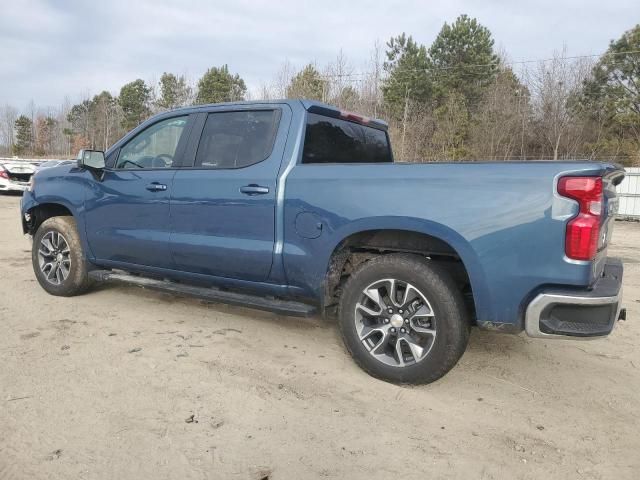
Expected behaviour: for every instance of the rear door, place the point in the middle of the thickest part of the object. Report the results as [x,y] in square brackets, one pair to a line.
[127,210]
[223,201]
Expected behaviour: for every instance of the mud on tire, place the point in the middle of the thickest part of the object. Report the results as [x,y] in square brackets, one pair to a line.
[58,259]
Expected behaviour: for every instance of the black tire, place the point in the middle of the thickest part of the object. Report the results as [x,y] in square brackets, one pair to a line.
[77,280]
[447,304]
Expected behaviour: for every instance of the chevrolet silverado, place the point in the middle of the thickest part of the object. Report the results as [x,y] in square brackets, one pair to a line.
[297,207]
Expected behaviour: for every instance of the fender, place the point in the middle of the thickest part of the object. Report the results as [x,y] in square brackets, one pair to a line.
[74,183]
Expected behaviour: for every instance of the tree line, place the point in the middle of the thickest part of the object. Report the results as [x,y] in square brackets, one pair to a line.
[456,99]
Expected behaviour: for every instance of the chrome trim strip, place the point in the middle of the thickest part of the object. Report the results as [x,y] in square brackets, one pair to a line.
[281,184]
[543,300]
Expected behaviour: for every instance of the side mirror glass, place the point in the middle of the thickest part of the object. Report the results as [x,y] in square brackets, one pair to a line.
[93,159]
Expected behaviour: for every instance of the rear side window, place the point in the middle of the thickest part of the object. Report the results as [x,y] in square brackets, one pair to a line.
[237,139]
[332,140]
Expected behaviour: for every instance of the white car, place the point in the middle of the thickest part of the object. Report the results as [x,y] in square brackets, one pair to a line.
[54,163]
[15,176]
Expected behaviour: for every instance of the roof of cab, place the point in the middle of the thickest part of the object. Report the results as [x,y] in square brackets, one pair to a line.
[308,105]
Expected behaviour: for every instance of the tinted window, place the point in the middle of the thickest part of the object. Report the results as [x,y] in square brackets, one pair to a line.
[237,139]
[331,140]
[154,147]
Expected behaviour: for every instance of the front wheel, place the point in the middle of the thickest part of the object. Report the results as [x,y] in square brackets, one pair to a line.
[403,320]
[58,259]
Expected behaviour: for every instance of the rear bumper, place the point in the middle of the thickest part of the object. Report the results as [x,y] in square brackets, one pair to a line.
[12,186]
[561,313]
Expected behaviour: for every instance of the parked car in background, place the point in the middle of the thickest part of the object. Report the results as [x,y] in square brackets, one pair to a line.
[54,163]
[15,175]
[298,207]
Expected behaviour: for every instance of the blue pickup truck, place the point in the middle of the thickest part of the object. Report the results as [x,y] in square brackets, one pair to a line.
[297,207]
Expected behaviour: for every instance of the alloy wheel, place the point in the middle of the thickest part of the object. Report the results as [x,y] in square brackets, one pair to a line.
[54,257]
[395,322]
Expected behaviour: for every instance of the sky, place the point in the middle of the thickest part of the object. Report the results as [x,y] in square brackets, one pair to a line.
[52,49]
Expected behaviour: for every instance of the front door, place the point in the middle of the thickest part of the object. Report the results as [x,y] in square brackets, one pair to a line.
[127,211]
[223,206]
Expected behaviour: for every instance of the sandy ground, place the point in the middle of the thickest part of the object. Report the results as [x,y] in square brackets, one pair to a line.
[105,386]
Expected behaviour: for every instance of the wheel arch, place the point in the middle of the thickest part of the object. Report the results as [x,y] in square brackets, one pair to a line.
[361,240]
[38,213]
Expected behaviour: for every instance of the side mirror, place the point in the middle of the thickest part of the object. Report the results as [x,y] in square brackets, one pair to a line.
[91,159]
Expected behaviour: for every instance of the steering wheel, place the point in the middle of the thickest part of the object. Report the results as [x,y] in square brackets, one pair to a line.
[166,158]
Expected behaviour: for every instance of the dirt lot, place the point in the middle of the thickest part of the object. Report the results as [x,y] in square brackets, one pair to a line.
[129,384]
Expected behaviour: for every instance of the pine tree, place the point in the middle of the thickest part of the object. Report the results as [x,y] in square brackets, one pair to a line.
[462,60]
[408,77]
[174,91]
[134,101]
[24,136]
[611,97]
[307,83]
[219,85]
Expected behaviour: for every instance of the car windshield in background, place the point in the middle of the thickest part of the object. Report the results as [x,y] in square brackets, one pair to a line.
[332,140]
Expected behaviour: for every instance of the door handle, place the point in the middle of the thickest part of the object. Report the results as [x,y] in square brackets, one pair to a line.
[156,187]
[254,189]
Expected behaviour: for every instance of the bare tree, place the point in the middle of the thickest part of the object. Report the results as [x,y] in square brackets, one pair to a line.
[412,136]
[8,116]
[283,80]
[449,138]
[337,86]
[499,124]
[372,82]
[554,84]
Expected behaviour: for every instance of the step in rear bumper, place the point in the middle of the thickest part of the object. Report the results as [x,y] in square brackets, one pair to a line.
[583,314]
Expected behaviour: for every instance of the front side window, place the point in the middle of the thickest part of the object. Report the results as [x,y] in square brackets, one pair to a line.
[237,139]
[333,140]
[154,147]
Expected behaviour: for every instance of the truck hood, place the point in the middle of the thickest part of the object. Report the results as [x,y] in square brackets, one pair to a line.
[57,171]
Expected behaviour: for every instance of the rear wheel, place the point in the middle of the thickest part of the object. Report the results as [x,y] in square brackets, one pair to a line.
[403,319]
[58,259]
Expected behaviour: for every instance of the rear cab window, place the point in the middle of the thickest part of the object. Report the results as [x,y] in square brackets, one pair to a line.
[334,140]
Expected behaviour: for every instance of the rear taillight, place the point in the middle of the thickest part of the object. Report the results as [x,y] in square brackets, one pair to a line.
[4,174]
[581,242]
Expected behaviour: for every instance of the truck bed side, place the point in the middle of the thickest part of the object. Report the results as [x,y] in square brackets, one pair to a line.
[504,220]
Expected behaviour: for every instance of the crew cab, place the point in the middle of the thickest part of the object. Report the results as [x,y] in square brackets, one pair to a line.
[297,207]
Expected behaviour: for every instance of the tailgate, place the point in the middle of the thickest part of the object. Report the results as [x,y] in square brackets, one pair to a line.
[610,179]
